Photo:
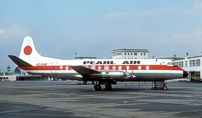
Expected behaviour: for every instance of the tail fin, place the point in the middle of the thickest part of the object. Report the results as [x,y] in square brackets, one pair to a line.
[28,51]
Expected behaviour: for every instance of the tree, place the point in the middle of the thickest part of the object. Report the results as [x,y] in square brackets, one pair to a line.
[8,69]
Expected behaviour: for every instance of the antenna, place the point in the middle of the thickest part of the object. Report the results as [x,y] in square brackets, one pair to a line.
[75,55]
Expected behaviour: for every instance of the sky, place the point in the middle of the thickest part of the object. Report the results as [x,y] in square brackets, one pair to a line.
[96,27]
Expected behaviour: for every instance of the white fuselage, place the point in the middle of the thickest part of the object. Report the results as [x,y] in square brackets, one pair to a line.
[95,69]
[143,69]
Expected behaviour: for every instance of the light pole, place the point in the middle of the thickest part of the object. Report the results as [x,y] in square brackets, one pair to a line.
[174,56]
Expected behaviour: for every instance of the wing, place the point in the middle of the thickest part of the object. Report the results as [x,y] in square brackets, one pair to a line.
[84,71]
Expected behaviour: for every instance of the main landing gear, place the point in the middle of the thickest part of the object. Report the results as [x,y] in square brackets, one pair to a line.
[97,87]
[159,85]
[108,86]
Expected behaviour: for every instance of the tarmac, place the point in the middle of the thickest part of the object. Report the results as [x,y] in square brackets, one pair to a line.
[65,99]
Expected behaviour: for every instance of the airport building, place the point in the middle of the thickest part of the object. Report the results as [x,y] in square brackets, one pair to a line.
[130,54]
[191,64]
[85,57]
[5,76]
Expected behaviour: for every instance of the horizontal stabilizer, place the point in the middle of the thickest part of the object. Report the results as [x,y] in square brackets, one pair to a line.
[84,71]
[18,61]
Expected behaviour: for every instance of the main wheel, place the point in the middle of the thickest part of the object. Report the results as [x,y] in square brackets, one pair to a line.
[97,87]
[108,87]
[84,82]
[165,88]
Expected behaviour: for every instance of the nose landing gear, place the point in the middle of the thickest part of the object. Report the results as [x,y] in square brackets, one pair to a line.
[159,85]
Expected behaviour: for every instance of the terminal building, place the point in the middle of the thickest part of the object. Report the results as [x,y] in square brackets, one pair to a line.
[191,64]
[130,54]
[17,77]
[22,76]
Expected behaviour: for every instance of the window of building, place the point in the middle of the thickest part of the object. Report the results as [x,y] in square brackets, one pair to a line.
[198,62]
[141,54]
[176,63]
[128,53]
[131,53]
[185,63]
[144,54]
[192,63]
[180,64]
[125,53]
[135,53]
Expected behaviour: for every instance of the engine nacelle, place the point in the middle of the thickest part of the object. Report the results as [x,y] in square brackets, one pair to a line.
[111,74]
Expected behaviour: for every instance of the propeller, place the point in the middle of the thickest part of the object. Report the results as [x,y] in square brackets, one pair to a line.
[132,78]
[125,78]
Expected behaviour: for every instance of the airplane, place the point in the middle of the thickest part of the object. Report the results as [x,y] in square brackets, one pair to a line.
[98,71]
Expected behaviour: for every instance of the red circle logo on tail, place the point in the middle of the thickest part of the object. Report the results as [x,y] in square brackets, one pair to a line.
[28,50]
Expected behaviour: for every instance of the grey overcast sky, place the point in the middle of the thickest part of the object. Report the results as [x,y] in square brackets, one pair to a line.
[96,27]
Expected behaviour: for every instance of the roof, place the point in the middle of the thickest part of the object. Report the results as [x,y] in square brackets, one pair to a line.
[130,50]
[85,57]
[173,58]
[193,57]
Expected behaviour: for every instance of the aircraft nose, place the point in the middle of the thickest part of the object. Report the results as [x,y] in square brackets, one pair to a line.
[185,74]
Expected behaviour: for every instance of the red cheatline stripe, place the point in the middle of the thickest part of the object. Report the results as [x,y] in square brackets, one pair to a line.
[110,67]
